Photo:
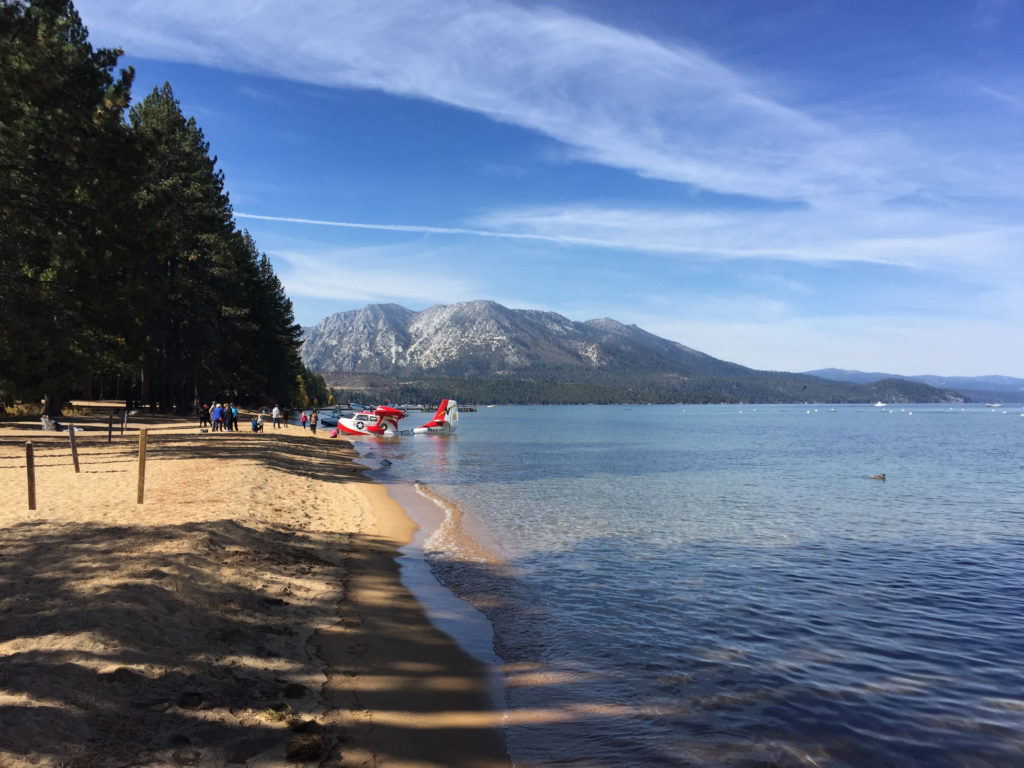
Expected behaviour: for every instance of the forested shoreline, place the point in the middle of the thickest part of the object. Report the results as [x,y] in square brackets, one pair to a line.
[122,267]
[596,389]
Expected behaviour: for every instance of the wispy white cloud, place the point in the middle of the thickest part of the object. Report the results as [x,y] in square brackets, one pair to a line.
[1014,99]
[989,13]
[913,238]
[341,274]
[665,111]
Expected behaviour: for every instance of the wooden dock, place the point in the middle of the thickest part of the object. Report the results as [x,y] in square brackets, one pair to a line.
[407,407]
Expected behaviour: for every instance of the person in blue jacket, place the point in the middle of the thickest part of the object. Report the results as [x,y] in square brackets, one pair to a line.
[217,416]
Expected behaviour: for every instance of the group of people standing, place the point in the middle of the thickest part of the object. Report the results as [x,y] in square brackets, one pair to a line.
[223,417]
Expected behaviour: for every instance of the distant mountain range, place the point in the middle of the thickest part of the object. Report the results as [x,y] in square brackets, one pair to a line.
[485,352]
[973,387]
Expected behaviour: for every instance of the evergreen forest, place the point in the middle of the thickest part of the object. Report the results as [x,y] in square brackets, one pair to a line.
[757,387]
[122,272]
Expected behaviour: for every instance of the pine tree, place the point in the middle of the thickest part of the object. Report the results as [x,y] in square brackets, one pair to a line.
[120,253]
[186,256]
[64,167]
[276,342]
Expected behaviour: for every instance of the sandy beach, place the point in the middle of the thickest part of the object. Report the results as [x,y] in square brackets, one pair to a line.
[248,612]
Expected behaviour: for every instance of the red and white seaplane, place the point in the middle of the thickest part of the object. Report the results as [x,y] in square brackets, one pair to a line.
[382,421]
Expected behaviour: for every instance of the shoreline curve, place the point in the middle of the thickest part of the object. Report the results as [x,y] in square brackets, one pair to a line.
[250,609]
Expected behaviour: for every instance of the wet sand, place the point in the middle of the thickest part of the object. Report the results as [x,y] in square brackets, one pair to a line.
[248,612]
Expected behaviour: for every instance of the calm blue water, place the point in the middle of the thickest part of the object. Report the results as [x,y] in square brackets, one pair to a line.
[727,586]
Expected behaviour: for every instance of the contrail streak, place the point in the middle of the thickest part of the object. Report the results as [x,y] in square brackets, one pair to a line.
[406,228]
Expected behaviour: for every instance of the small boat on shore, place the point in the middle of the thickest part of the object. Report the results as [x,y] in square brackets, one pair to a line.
[879,404]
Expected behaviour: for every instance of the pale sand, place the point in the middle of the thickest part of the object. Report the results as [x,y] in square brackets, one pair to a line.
[250,606]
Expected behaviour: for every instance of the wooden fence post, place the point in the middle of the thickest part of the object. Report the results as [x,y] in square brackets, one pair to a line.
[142,464]
[74,446]
[30,463]
[110,428]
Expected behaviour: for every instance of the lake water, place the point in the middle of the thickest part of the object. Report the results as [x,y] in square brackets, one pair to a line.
[727,586]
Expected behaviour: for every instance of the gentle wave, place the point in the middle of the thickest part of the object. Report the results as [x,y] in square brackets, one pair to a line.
[451,540]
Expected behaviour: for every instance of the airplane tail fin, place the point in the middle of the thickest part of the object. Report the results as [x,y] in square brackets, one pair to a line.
[446,419]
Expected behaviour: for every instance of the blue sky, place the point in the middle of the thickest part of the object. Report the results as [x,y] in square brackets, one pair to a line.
[786,185]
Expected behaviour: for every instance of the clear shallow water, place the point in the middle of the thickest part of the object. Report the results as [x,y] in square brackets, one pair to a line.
[726,586]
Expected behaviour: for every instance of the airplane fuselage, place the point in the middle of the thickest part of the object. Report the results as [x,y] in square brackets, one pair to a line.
[381,422]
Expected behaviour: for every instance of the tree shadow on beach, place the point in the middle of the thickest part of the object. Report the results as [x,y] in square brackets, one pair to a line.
[186,644]
[205,644]
[299,454]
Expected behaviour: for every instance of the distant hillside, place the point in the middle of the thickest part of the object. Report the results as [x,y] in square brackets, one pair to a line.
[506,355]
[973,387]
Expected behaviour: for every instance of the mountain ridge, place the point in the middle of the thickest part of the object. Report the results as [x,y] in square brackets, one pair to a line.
[993,382]
[974,387]
[490,339]
[545,357]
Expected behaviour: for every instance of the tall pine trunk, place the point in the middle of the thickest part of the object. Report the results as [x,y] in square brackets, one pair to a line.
[53,405]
